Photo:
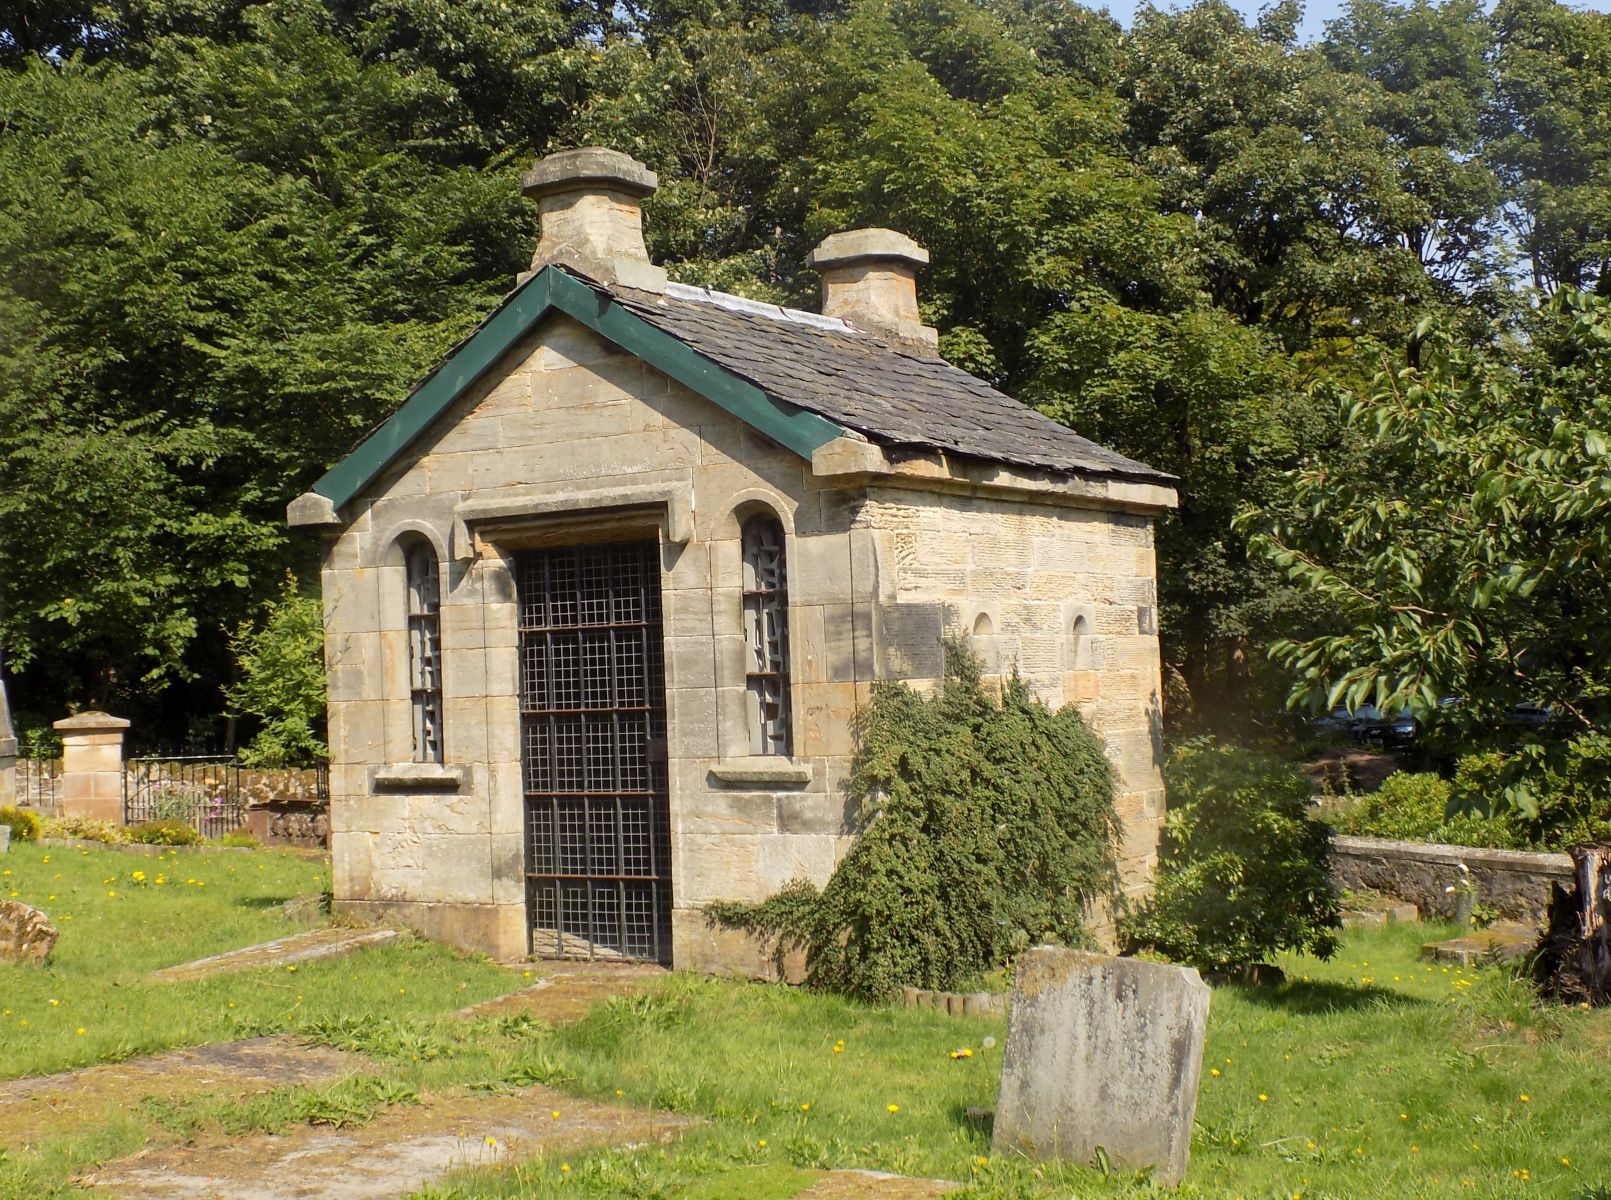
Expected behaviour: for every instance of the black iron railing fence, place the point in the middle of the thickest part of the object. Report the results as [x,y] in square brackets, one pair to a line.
[201,790]
[39,784]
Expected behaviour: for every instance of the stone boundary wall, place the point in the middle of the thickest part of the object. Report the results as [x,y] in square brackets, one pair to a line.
[1516,882]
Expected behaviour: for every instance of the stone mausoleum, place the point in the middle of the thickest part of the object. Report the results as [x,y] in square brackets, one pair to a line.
[603,596]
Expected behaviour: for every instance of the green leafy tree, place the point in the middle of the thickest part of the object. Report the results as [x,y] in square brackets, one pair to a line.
[223,267]
[1463,540]
[280,681]
[1550,136]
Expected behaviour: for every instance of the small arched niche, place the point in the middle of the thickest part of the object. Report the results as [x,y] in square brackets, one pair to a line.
[1079,643]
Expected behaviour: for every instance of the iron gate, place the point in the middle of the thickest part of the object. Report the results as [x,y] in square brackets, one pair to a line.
[593,751]
[201,790]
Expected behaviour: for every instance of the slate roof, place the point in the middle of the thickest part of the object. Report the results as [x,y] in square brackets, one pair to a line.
[893,397]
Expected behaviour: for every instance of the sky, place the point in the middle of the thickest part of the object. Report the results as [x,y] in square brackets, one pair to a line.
[1316,12]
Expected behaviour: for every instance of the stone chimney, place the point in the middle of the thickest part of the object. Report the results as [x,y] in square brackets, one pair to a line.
[869,279]
[592,221]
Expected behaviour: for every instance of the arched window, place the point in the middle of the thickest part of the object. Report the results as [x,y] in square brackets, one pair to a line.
[766,634]
[424,649]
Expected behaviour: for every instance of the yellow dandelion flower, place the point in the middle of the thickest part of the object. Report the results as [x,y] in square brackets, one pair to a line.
[894,1108]
[555,1114]
[80,1031]
[805,1108]
[491,1141]
[565,1167]
[1525,1097]
[1566,1162]
[1262,1097]
[1214,1071]
[761,1143]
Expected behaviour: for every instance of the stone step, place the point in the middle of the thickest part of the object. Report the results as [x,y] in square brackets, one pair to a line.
[1506,942]
[311,946]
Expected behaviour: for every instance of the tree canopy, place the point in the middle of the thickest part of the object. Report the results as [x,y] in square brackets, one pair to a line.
[235,232]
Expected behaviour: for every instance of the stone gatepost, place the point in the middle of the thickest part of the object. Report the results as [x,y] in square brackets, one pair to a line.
[92,766]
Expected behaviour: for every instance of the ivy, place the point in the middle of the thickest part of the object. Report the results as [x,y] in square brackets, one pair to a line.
[988,825]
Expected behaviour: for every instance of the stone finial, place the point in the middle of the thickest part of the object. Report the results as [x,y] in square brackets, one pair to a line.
[592,220]
[869,278]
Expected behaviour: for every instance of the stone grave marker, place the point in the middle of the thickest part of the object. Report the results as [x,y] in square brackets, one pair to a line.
[1102,1053]
[26,934]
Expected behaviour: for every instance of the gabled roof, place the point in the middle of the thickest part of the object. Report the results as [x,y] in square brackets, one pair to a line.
[800,378]
[893,396]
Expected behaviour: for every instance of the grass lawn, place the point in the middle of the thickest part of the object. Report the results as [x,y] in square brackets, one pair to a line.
[1373,1075]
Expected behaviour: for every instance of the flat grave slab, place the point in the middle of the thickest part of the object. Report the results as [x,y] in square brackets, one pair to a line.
[43,1105]
[406,1148]
[875,1185]
[311,946]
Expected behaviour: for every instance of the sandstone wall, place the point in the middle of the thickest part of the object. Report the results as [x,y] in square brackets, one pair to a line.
[1067,597]
[563,434]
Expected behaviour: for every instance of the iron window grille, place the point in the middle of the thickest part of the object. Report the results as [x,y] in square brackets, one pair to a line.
[425,651]
[766,635]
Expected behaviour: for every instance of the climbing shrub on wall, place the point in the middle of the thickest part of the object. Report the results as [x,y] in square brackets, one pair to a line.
[988,825]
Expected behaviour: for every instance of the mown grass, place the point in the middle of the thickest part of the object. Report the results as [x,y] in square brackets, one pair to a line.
[1373,1075]
[118,923]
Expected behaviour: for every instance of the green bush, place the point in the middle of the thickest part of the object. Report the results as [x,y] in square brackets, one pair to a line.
[164,833]
[988,825]
[1415,808]
[240,839]
[84,830]
[24,824]
[1244,869]
[1572,796]
[1573,803]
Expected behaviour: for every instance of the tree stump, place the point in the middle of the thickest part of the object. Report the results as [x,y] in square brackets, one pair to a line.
[1574,962]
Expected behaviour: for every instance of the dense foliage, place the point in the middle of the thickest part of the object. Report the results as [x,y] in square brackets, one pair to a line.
[988,826]
[1462,536]
[24,823]
[235,230]
[1244,867]
[1572,804]
[281,681]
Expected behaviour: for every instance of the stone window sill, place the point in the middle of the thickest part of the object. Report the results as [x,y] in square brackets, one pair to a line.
[419,777]
[765,770]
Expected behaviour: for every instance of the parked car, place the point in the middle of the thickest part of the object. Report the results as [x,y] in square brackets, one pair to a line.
[1391,731]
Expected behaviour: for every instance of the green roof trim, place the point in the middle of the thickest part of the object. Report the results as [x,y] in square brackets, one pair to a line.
[550,290]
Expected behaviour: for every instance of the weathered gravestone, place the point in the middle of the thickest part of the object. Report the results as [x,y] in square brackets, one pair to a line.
[1102,1053]
[26,934]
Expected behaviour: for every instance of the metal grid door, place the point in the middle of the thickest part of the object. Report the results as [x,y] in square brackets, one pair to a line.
[593,737]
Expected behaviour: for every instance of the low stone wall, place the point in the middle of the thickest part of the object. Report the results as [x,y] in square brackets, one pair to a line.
[290,824]
[1516,882]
